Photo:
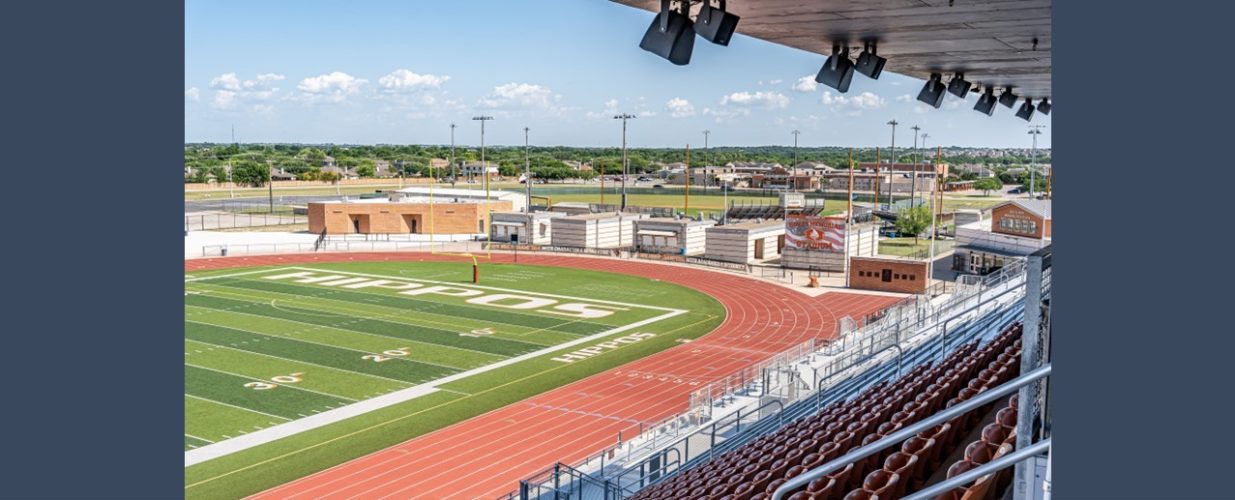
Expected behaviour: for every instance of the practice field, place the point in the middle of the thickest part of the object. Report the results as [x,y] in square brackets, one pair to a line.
[287,358]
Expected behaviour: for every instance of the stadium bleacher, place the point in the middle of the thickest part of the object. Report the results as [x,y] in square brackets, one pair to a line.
[756,469]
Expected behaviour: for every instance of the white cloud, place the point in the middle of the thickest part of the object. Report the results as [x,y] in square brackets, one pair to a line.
[402,80]
[769,100]
[852,106]
[775,82]
[525,96]
[806,84]
[904,98]
[193,94]
[333,87]
[680,108]
[611,108]
[231,92]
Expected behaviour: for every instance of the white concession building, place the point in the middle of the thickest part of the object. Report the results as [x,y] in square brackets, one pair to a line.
[671,235]
[745,242]
[533,228]
[602,230]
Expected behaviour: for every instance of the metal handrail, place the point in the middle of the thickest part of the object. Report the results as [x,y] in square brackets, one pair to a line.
[987,468]
[896,437]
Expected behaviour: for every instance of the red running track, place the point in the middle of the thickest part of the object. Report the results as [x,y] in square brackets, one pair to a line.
[485,456]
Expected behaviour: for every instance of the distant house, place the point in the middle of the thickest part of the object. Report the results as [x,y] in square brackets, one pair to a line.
[282,175]
[382,168]
[343,173]
[476,169]
[328,161]
[980,170]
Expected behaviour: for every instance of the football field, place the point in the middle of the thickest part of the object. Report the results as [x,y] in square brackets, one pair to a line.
[285,354]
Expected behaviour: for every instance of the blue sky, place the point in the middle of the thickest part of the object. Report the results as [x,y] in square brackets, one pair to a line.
[399,72]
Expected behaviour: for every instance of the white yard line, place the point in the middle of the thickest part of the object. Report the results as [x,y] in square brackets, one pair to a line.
[255,379]
[269,434]
[198,438]
[208,400]
[296,361]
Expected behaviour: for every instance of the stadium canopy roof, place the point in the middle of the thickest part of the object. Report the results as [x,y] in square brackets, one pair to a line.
[990,41]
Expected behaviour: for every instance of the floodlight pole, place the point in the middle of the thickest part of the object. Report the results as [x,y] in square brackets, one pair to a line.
[934,170]
[527,170]
[892,166]
[625,166]
[1035,131]
[705,160]
[484,167]
[793,177]
[913,176]
[454,175]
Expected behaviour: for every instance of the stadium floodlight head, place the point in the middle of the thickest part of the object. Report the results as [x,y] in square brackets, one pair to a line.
[1026,111]
[932,91]
[1007,98]
[870,64]
[1044,106]
[716,25]
[986,102]
[958,86]
[837,71]
[671,35]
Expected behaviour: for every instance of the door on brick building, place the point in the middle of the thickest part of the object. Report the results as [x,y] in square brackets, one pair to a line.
[356,224]
[887,276]
[759,248]
[412,222]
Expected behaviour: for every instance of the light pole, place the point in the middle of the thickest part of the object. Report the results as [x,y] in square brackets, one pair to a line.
[527,170]
[484,167]
[794,177]
[892,166]
[934,172]
[913,176]
[454,175]
[1035,131]
[705,160]
[624,117]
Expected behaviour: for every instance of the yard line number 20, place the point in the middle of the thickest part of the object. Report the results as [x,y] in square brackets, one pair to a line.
[388,355]
[293,378]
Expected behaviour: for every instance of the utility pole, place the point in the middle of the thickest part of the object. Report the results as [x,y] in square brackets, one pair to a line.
[794,178]
[705,160]
[527,170]
[892,165]
[913,176]
[1035,131]
[625,163]
[849,217]
[231,184]
[686,207]
[454,175]
[484,167]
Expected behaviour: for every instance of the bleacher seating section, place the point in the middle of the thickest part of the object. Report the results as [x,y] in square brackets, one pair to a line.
[754,470]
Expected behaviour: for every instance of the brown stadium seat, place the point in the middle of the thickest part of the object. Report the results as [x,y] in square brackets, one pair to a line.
[861,495]
[830,450]
[844,440]
[980,452]
[906,466]
[719,490]
[881,482]
[743,491]
[803,495]
[772,485]
[812,460]
[822,486]
[842,476]
[794,456]
[761,480]
[994,433]
[924,449]
[778,468]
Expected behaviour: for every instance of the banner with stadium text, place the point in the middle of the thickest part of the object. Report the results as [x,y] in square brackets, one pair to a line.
[809,232]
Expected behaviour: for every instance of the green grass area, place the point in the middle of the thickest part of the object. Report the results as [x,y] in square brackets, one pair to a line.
[906,246]
[261,352]
[951,203]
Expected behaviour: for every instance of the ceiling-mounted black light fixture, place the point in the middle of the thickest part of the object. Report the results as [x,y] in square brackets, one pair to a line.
[837,71]
[932,91]
[672,34]
[1026,111]
[1044,106]
[958,86]
[716,25]
[870,64]
[986,102]
[1007,98]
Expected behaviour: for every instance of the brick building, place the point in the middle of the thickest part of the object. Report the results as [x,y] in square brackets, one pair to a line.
[413,211]
[888,274]
[1015,229]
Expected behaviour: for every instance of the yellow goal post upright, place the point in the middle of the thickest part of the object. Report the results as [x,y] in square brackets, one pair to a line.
[437,247]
